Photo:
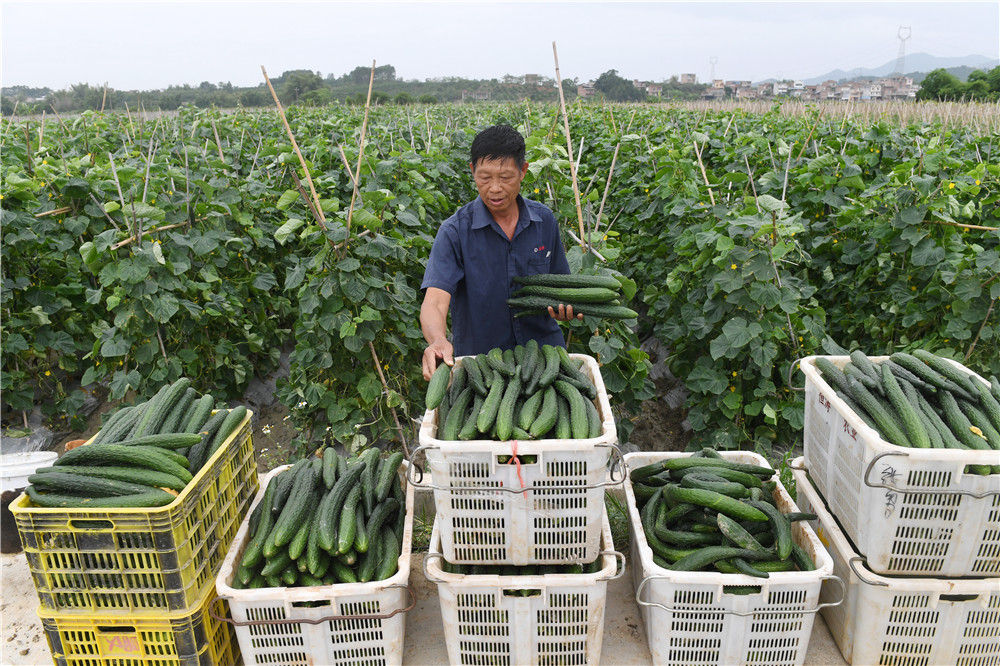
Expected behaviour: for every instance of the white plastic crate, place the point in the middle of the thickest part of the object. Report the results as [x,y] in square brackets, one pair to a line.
[909,621]
[697,618]
[547,512]
[348,624]
[909,511]
[487,622]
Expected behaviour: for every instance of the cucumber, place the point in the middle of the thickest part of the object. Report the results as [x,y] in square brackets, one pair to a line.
[148,498]
[290,519]
[360,534]
[228,426]
[199,416]
[887,427]
[918,436]
[444,408]
[67,483]
[957,421]
[781,527]
[551,357]
[117,455]
[683,539]
[914,399]
[706,556]
[947,370]
[370,459]
[276,564]
[833,375]
[928,374]
[111,424]
[163,408]
[802,559]
[297,546]
[903,373]
[504,366]
[594,426]
[979,420]
[388,474]
[331,505]
[164,440]
[146,477]
[529,361]
[389,556]
[459,377]
[329,467]
[121,429]
[563,428]
[172,423]
[736,533]
[547,414]
[455,415]
[748,480]
[869,382]
[568,280]
[488,412]
[505,412]
[568,294]
[529,410]
[713,482]
[255,546]
[671,464]
[468,430]
[518,356]
[864,364]
[315,558]
[153,405]
[730,506]
[475,373]
[989,404]
[437,386]
[381,514]
[530,305]
[520,434]
[577,410]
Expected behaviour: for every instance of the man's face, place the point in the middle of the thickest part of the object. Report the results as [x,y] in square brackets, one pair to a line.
[499,183]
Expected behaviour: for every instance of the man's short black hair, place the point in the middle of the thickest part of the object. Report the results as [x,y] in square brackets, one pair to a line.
[497,143]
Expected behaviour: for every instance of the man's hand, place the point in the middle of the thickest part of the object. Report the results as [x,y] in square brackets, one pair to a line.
[565,313]
[441,349]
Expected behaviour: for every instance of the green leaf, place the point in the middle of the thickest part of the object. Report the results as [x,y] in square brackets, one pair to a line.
[115,346]
[348,265]
[282,233]
[163,307]
[265,281]
[369,388]
[705,377]
[158,254]
[286,199]
[770,204]
[366,219]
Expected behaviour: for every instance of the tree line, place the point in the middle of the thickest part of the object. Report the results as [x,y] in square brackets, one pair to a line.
[981,86]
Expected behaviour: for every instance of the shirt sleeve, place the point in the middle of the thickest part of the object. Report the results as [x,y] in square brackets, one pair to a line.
[445,268]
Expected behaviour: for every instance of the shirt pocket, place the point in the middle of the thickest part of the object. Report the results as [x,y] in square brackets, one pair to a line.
[538,264]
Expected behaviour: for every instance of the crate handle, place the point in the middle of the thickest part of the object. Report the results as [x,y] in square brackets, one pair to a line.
[726,611]
[876,583]
[619,571]
[91,524]
[416,482]
[920,491]
[791,370]
[320,620]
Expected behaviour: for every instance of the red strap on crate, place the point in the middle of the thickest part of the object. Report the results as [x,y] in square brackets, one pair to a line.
[514,460]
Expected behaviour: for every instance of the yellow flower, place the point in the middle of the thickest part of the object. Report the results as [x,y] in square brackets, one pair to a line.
[48,372]
[732,389]
[946,339]
[913,288]
[646,190]
[977,181]
[800,338]
[733,266]
[170,193]
[45,161]
[734,373]
[835,240]
[43,183]
[537,190]
[947,307]
[951,186]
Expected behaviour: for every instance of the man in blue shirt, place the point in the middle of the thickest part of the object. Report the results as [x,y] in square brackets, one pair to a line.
[477,253]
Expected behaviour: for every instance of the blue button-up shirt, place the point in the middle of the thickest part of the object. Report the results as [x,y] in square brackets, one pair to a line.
[474,261]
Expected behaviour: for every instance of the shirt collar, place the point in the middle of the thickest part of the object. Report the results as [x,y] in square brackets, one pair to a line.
[481,216]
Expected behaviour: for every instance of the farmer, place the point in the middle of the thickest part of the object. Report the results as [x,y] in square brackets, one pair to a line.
[477,253]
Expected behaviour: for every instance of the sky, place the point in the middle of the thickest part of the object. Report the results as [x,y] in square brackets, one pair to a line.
[141,45]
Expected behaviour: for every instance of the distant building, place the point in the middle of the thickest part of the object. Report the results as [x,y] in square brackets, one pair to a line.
[585,90]
[654,89]
[689,78]
[479,95]
[718,83]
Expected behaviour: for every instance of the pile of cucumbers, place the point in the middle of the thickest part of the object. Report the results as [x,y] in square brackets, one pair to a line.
[326,520]
[143,456]
[920,400]
[596,295]
[703,512]
[529,392]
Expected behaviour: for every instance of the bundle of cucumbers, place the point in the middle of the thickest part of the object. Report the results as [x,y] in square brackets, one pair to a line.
[703,512]
[143,456]
[920,400]
[529,392]
[597,295]
[324,521]
[523,570]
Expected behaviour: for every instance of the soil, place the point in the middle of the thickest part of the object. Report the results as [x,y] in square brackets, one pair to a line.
[658,427]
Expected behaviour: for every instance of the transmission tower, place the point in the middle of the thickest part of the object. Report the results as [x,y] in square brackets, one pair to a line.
[711,61]
[903,34]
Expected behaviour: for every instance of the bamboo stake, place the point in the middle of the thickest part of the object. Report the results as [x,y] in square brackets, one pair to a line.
[607,186]
[41,130]
[347,165]
[569,146]
[385,385]
[295,146]
[305,197]
[56,211]
[704,175]
[361,152]
[218,144]
[101,206]
[964,226]
[151,230]
[121,197]
[972,347]
[104,96]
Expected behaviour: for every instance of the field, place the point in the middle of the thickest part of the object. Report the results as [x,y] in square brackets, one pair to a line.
[136,249]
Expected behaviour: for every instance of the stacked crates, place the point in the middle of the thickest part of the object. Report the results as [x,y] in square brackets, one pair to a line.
[522,503]
[914,536]
[137,585]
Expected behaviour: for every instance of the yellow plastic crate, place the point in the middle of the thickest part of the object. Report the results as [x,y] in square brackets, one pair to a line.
[141,560]
[193,638]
